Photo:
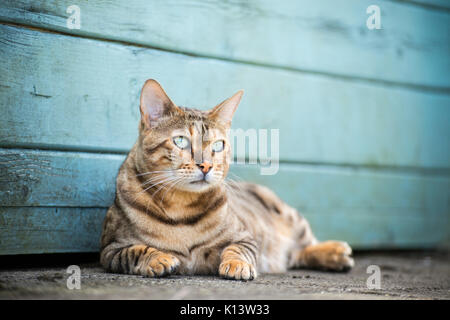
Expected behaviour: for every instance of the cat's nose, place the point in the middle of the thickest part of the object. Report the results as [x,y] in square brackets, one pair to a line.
[205,167]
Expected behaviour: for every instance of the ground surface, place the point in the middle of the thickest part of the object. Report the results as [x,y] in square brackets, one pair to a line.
[419,275]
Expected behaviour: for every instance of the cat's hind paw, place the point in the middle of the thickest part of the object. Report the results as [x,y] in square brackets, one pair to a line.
[329,255]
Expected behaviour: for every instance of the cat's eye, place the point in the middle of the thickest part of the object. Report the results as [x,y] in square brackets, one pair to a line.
[218,146]
[181,142]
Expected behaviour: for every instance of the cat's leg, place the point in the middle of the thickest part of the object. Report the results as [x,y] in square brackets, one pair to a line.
[310,253]
[139,260]
[238,261]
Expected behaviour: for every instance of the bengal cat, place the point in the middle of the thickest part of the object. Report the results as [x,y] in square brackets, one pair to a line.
[174,212]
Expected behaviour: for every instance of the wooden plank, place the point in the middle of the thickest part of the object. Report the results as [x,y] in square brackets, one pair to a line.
[323,36]
[49,178]
[83,94]
[28,230]
[435,4]
[370,208]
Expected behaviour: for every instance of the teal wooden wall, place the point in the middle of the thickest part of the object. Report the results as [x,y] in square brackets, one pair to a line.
[363,114]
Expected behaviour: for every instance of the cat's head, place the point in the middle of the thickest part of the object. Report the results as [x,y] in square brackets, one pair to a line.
[182,148]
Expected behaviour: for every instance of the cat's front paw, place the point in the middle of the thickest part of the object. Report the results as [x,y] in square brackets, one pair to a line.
[161,264]
[237,270]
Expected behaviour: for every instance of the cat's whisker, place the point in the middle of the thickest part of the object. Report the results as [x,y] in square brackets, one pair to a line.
[150,172]
[171,187]
[234,182]
[233,187]
[165,182]
[167,179]
[156,181]
[162,187]
[157,178]
[162,183]
[238,178]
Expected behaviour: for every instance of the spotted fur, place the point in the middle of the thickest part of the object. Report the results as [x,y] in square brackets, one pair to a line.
[174,212]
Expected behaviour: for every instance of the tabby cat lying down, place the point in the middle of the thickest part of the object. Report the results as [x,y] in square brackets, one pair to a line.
[175,214]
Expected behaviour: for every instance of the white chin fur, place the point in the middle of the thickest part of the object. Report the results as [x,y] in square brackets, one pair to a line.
[196,187]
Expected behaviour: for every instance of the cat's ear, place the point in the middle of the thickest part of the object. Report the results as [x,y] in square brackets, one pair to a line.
[224,111]
[155,103]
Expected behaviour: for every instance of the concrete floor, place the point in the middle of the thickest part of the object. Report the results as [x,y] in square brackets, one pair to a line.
[404,275]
